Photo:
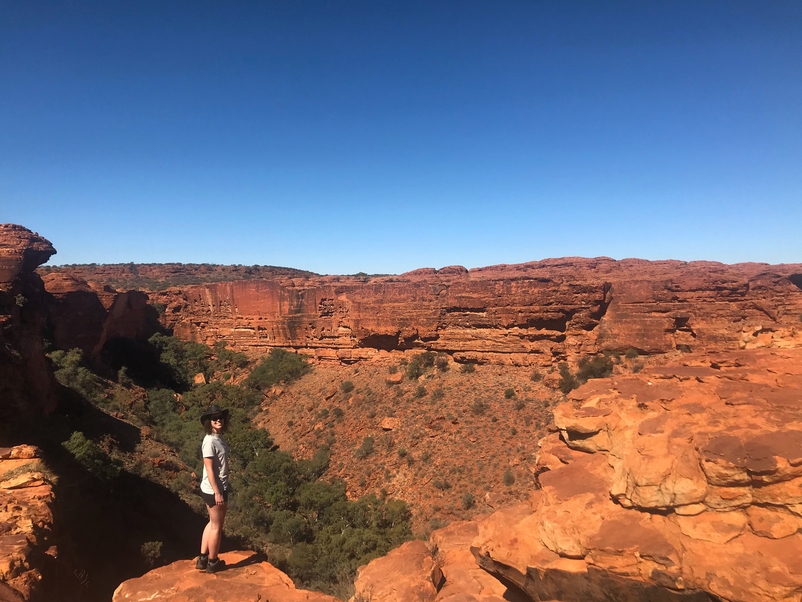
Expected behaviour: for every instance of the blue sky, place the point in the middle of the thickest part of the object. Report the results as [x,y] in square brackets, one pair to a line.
[380,137]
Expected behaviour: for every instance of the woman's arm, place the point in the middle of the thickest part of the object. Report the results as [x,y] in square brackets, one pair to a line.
[212,474]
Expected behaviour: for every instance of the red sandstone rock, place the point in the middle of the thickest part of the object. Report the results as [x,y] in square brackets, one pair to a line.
[245,579]
[21,252]
[524,314]
[27,385]
[26,520]
[407,573]
[667,497]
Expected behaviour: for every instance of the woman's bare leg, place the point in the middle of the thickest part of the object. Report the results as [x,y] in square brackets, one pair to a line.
[213,532]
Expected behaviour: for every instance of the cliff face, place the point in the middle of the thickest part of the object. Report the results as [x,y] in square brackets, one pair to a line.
[527,314]
[27,385]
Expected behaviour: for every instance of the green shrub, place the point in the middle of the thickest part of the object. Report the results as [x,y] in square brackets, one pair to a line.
[438,394]
[467,501]
[346,386]
[402,452]
[184,359]
[631,353]
[536,376]
[364,450]
[479,406]
[508,479]
[338,413]
[70,372]
[598,366]
[441,484]
[280,366]
[91,457]
[392,369]
[420,392]
[509,393]
[468,368]
[520,404]
[151,552]
[419,364]
[441,362]
[568,381]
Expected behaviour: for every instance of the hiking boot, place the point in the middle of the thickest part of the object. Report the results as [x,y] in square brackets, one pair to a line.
[201,562]
[215,565]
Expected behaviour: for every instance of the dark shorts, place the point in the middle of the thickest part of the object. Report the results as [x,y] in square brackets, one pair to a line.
[209,498]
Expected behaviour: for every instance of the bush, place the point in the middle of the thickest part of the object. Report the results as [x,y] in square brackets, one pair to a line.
[70,372]
[91,457]
[441,484]
[509,393]
[568,381]
[419,364]
[479,406]
[536,376]
[438,394]
[599,366]
[347,386]
[441,362]
[520,404]
[364,450]
[468,368]
[631,353]
[392,369]
[280,366]
[183,359]
[338,413]
[467,501]
[508,479]
[151,552]
[420,391]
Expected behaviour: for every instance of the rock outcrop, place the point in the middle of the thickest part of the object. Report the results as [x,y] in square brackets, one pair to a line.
[683,483]
[27,386]
[26,522]
[246,577]
[85,317]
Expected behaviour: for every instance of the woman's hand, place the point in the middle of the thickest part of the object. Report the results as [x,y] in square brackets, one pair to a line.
[219,499]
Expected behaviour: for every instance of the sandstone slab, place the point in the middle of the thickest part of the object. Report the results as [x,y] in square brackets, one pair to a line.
[246,577]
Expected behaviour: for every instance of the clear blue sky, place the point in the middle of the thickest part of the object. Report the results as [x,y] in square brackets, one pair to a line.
[373,136]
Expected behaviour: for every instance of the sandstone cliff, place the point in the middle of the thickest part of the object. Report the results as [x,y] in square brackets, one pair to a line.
[527,314]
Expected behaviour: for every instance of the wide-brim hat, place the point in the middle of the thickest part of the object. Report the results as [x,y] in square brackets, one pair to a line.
[211,411]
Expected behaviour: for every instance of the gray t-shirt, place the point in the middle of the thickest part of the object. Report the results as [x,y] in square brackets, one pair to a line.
[215,447]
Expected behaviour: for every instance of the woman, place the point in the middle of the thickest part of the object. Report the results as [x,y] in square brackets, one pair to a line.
[214,487]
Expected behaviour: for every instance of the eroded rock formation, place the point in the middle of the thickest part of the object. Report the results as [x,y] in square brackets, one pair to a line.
[27,386]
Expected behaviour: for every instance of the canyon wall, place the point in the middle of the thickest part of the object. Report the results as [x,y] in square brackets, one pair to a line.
[527,314]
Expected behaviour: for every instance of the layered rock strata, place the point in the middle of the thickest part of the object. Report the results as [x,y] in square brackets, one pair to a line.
[26,522]
[527,314]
